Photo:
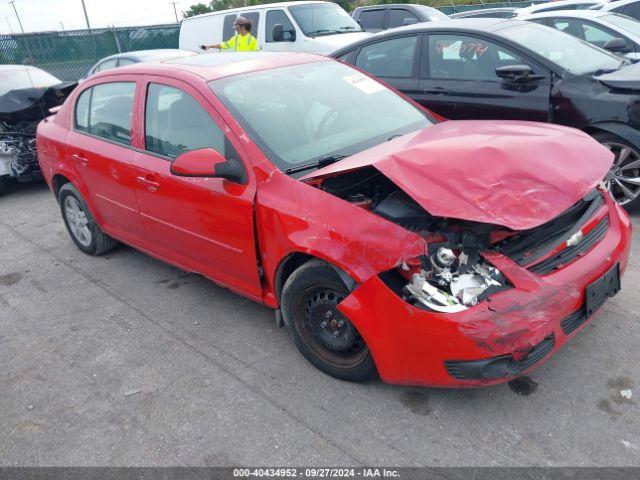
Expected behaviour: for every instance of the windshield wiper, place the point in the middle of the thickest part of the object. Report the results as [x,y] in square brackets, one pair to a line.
[323,31]
[360,29]
[322,162]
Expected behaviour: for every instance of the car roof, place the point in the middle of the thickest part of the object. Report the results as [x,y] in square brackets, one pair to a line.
[150,55]
[11,68]
[212,66]
[588,14]
[457,24]
[540,6]
[616,4]
[479,11]
[252,8]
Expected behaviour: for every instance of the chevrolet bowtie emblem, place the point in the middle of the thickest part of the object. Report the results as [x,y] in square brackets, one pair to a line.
[575,239]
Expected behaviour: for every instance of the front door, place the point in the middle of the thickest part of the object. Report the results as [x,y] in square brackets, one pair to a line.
[204,225]
[460,82]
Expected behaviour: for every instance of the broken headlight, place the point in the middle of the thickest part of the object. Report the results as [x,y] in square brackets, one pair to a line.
[451,281]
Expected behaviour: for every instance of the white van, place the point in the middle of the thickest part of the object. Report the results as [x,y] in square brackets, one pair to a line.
[319,27]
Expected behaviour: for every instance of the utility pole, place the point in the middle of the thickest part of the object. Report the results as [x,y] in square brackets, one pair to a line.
[10,29]
[13,4]
[175,11]
[62,26]
[86,17]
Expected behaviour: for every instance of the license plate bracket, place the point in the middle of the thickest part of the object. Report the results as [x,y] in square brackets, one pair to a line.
[597,292]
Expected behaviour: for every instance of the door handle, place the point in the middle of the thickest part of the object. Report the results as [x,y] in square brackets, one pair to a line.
[150,184]
[436,91]
[80,159]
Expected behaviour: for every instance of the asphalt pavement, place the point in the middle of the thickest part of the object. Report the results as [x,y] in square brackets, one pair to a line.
[122,360]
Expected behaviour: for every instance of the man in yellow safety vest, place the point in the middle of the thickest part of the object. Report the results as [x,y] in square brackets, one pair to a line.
[242,41]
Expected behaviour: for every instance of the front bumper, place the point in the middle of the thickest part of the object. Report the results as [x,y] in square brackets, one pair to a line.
[530,321]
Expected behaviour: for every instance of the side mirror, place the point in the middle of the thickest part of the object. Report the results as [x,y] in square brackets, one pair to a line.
[409,21]
[617,45]
[517,73]
[278,33]
[208,163]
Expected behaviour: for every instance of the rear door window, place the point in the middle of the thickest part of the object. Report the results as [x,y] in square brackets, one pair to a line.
[390,58]
[176,123]
[106,111]
[399,17]
[372,20]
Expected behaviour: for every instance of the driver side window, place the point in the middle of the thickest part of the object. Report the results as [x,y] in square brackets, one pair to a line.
[176,123]
[459,57]
[390,58]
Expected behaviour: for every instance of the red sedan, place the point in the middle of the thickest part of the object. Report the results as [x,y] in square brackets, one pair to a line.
[458,253]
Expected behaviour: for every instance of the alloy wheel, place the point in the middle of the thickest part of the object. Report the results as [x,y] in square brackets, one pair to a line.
[77,220]
[623,180]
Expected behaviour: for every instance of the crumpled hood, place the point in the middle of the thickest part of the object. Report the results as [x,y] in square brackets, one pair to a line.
[626,78]
[516,174]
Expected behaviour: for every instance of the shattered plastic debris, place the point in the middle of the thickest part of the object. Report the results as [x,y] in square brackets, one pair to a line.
[626,394]
[131,393]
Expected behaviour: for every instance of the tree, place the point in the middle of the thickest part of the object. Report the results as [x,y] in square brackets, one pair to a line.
[197,9]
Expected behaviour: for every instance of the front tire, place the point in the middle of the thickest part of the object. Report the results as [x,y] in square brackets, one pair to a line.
[81,225]
[623,180]
[321,333]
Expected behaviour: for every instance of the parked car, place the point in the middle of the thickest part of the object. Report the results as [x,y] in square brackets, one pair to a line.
[611,31]
[26,95]
[375,18]
[510,69]
[129,58]
[435,253]
[506,12]
[559,5]
[630,8]
[318,27]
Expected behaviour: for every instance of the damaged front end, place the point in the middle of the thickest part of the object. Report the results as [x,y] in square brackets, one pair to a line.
[21,111]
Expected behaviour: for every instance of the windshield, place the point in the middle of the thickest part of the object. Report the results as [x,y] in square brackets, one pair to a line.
[567,52]
[25,77]
[323,19]
[625,23]
[301,114]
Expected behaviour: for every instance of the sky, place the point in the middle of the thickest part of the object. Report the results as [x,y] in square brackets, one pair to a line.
[47,15]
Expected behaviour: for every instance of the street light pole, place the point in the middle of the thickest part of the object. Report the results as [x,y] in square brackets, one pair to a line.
[175,11]
[86,17]
[13,4]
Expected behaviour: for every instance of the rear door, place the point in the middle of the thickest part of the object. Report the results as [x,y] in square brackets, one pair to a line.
[395,61]
[459,81]
[99,146]
[204,225]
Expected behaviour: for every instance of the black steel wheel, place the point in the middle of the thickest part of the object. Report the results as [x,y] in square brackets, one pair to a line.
[310,300]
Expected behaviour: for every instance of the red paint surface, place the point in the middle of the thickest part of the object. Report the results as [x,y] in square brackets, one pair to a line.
[510,173]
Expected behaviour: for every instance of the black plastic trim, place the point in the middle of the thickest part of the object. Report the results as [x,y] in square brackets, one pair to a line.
[499,367]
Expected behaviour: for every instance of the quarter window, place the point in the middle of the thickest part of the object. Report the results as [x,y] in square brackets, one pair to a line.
[106,65]
[391,58]
[467,58]
[176,123]
[106,110]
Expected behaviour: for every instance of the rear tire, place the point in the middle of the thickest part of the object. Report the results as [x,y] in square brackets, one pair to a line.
[321,333]
[624,171]
[81,225]
[3,186]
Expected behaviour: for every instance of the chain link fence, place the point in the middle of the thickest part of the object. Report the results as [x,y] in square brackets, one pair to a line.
[69,54]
